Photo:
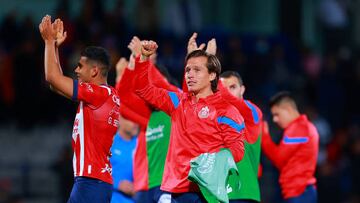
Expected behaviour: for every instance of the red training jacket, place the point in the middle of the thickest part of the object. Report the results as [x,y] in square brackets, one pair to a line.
[207,125]
[295,156]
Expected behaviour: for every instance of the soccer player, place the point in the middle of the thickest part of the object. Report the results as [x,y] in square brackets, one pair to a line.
[232,89]
[152,145]
[295,157]
[202,121]
[249,165]
[96,119]
[121,160]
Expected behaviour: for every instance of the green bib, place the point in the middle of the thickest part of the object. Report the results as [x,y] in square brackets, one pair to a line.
[248,171]
[216,174]
[157,143]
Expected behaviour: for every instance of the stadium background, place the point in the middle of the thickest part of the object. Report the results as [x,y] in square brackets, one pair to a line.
[310,47]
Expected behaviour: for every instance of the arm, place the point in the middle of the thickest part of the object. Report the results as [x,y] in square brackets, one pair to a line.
[249,111]
[192,44]
[137,109]
[278,154]
[157,79]
[128,113]
[53,73]
[233,130]
[128,97]
[162,99]
[120,68]
[60,38]
[126,187]
[135,48]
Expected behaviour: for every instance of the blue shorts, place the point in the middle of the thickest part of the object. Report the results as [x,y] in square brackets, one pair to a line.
[148,196]
[155,195]
[89,190]
[308,196]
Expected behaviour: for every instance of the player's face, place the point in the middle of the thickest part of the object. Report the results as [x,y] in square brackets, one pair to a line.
[83,70]
[232,84]
[197,76]
[281,115]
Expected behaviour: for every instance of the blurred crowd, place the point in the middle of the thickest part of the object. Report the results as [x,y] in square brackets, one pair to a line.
[326,83]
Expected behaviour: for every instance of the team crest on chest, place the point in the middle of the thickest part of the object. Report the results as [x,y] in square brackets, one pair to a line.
[204,112]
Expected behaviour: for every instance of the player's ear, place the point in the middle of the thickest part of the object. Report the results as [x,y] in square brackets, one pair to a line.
[212,76]
[242,89]
[95,71]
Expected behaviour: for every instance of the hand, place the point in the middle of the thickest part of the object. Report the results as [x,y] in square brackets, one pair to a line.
[47,30]
[60,34]
[126,187]
[135,46]
[211,47]
[265,128]
[131,64]
[120,67]
[148,48]
[192,45]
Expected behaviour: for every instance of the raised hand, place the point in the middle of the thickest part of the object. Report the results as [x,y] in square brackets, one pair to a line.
[148,48]
[192,44]
[211,47]
[60,34]
[47,30]
[135,46]
[120,67]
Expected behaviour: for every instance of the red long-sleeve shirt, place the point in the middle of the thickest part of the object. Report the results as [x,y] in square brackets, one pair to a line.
[295,156]
[206,125]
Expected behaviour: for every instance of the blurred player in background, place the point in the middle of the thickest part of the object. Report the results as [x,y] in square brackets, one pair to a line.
[122,151]
[296,155]
[249,165]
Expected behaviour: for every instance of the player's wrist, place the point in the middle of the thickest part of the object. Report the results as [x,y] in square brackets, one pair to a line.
[144,57]
[50,42]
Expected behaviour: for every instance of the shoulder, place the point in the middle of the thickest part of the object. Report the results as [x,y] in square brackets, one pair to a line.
[299,128]
[93,88]
[226,110]
[252,105]
[225,107]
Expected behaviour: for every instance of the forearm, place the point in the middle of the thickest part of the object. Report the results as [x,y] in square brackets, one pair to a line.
[129,114]
[237,149]
[157,79]
[51,62]
[270,150]
[125,84]
[53,74]
[156,97]
[235,143]
[58,58]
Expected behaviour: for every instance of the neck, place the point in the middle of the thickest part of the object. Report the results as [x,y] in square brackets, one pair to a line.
[203,93]
[100,81]
[296,115]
